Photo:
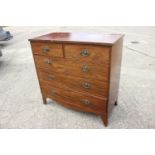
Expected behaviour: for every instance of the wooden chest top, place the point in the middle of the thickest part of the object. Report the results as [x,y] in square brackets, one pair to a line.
[78,37]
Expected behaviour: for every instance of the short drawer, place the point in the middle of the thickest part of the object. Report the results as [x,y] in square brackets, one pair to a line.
[47,49]
[78,84]
[76,99]
[74,68]
[96,54]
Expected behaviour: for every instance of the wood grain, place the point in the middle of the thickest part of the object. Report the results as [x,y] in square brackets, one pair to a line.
[96,54]
[74,98]
[73,68]
[96,88]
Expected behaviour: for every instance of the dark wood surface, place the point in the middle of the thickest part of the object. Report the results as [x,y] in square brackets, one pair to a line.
[78,37]
[62,70]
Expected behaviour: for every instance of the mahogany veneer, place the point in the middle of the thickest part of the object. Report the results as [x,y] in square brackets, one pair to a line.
[79,70]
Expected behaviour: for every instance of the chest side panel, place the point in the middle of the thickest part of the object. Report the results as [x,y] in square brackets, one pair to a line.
[115,69]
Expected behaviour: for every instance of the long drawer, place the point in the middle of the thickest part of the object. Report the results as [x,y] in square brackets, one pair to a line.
[78,84]
[76,68]
[75,99]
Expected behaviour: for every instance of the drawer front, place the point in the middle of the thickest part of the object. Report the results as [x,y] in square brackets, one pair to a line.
[83,101]
[78,84]
[47,49]
[73,68]
[96,54]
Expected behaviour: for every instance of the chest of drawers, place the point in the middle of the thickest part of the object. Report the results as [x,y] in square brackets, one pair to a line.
[79,70]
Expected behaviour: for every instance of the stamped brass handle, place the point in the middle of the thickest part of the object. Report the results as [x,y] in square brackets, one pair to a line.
[85,53]
[45,50]
[51,77]
[53,92]
[86,85]
[85,68]
[85,101]
[47,61]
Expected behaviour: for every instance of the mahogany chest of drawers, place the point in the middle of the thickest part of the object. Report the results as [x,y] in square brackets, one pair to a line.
[79,70]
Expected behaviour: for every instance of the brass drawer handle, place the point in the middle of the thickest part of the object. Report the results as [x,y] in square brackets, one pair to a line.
[86,85]
[47,61]
[84,53]
[51,77]
[85,68]
[45,50]
[85,101]
[53,92]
